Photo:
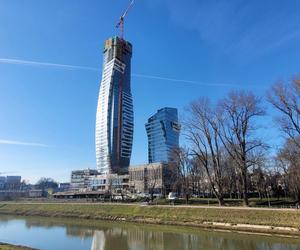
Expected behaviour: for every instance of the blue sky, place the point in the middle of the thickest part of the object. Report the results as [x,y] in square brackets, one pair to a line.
[48,106]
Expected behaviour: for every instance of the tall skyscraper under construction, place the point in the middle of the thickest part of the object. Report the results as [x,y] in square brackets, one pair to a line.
[114,119]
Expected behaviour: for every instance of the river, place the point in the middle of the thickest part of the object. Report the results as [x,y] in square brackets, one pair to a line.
[56,234]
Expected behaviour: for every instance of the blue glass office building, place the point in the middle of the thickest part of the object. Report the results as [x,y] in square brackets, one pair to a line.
[163,135]
[114,121]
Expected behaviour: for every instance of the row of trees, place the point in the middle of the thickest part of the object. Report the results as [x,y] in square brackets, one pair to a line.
[227,149]
[46,183]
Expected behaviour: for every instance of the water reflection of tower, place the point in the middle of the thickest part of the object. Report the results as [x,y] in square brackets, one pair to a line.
[98,240]
[112,238]
[78,232]
[127,238]
[142,239]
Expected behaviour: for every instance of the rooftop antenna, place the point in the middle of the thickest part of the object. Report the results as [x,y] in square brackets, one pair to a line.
[120,24]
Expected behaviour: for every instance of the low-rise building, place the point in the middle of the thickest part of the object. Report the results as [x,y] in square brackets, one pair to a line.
[2,182]
[13,183]
[154,178]
[109,181]
[80,179]
[64,186]
[35,193]
[12,194]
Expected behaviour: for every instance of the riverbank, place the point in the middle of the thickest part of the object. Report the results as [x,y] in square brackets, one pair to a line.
[255,220]
[5,246]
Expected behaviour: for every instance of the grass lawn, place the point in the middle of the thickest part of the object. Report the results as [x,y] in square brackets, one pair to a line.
[4,246]
[158,214]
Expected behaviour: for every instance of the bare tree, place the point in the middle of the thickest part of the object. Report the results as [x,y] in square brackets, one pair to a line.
[286,99]
[154,179]
[183,165]
[202,129]
[232,178]
[197,176]
[45,183]
[288,158]
[259,180]
[237,115]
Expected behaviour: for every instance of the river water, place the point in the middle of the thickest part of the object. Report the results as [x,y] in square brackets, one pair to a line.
[56,234]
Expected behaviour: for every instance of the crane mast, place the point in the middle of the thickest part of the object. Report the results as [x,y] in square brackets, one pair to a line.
[120,24]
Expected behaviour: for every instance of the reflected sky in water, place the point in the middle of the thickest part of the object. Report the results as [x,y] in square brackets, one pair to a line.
[45,233]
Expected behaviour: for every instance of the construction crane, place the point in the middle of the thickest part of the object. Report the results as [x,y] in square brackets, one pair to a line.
[120,24]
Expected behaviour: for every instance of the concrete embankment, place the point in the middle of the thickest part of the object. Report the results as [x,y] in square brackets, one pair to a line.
[273,221]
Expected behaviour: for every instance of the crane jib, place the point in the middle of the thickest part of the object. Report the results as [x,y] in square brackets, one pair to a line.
[120,24]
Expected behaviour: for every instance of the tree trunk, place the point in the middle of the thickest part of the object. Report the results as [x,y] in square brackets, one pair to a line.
[245,190]
[187,198]
[219,197]
[298,195]
[221,201]
[151,194]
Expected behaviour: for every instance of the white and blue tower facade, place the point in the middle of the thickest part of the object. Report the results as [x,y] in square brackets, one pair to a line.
[114,119]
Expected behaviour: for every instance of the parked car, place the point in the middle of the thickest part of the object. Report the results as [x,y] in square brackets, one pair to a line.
[172,196]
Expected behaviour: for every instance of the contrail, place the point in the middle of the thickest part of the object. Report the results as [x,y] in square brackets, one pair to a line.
[45,64]
[21,143]
[76,67]
[184,81]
